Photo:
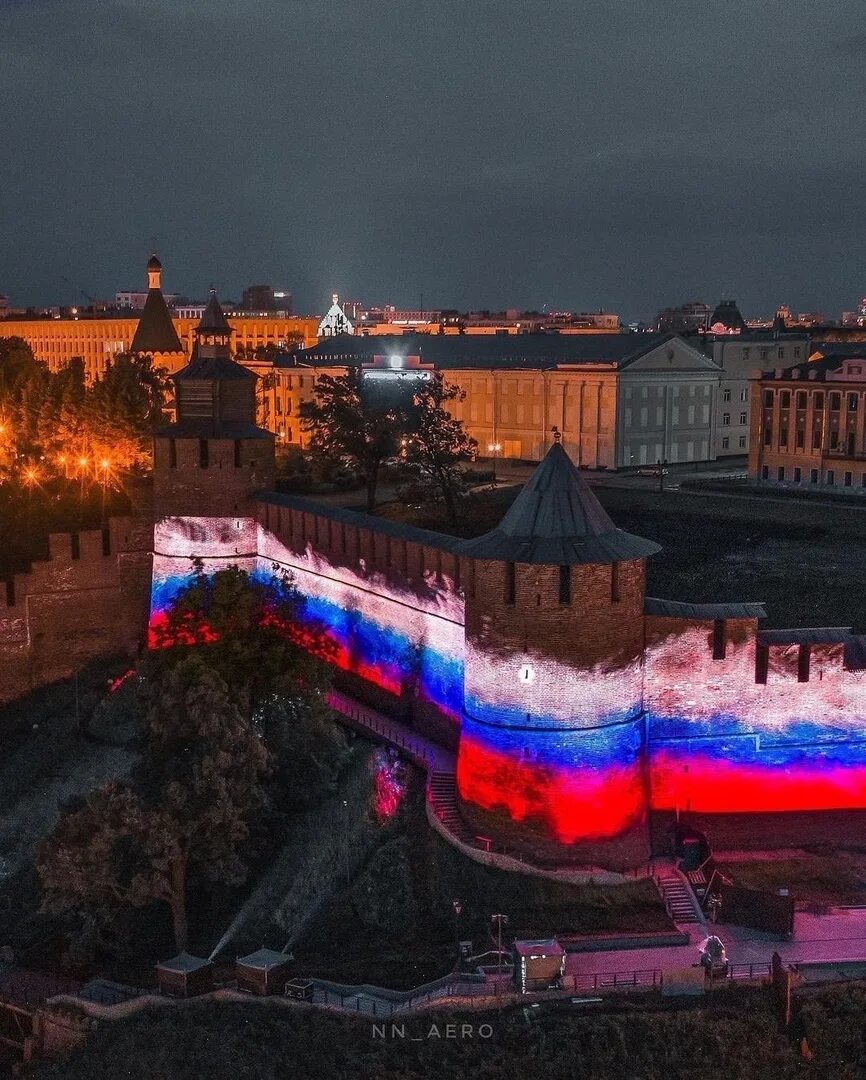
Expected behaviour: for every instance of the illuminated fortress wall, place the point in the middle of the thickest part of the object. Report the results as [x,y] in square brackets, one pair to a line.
[389,606]
[88,600]
[552,747]
[733,752]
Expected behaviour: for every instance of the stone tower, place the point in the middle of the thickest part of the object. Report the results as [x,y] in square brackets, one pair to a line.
[155,335]
[551,750]
[213,458]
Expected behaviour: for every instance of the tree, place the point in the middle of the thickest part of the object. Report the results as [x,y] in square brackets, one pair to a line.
[189,812]
[122,409]
[345,424]
[437,442]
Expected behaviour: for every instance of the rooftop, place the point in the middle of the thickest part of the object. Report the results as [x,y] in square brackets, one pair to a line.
[155,332]
[455,351]
[557,520]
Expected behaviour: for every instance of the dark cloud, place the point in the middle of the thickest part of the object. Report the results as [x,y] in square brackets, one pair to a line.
[609,153]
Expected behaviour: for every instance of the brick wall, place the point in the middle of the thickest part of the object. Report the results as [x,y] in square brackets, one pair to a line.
[222,487]
[89,599]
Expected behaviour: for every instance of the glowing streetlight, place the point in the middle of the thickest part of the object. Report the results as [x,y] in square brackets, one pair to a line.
[494,449]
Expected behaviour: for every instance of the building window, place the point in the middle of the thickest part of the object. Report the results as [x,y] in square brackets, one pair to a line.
[848,479]
[510,583]
[852,402]
[203,455]
[726,419]
[785,399]
[768,435]
[744,418]
[800,438]
[726,442]
[742,441]
[719,639]
[783,436]
[744,394]
[765,472]
[614,583]
[237,453]
[781,354]
[801,399]
[726,395]
[819,400]
[172,454]
[831,477]
[835,402]
[780,472]
[813,476]
[798,474]
[565,584]
[768,399]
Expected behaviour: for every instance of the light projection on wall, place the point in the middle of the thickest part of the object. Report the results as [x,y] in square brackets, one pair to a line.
[404,642]
[573,754]
[721,742]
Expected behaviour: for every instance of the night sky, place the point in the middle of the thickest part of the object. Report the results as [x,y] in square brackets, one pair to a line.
[483,153]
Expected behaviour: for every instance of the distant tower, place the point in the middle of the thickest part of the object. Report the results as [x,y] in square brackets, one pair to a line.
[551,748]
[335,321]
[211,460]
[155,335]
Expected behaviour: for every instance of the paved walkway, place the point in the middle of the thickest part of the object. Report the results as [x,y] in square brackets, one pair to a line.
[838,936]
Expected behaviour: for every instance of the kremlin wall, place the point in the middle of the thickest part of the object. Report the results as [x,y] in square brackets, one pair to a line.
[587,717]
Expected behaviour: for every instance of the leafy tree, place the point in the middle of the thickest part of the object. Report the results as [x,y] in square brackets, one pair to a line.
[189,812]
[123,407]
[347,425]
[438,442]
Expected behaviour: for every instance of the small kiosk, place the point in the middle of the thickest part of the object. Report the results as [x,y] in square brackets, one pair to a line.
[263,972]
[300,989]
[184,976]
[538,964]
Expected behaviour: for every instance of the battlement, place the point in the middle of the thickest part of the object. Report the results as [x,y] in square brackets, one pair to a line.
[89,598]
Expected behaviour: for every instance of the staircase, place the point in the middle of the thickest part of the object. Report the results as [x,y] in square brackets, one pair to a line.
[677,896]
[442,794]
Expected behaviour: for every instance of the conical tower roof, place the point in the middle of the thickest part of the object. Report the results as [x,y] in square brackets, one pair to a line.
[557,520]
[213,319]
[155,332]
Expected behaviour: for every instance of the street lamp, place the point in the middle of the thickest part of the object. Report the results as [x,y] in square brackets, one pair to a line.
[499,919]
[457,905]
[493,449]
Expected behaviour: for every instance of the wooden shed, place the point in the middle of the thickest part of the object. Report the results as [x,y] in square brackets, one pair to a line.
[263,972]
[538,964]
[185,976]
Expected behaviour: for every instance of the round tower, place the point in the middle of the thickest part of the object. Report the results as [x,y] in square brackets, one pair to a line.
[551,757]
[213,458]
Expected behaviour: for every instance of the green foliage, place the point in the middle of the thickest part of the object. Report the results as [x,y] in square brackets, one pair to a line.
[734,1037]
[383,896]
[437,442]
[347,427]
[49,416]
[188,812]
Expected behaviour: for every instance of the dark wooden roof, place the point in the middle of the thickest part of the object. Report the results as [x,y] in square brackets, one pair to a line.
[557,520]
[676,609]
[155,332]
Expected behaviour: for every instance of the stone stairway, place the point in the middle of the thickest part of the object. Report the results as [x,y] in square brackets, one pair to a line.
[442,795]
[677,896]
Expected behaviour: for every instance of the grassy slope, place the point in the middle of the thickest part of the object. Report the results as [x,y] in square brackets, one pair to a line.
[838,877]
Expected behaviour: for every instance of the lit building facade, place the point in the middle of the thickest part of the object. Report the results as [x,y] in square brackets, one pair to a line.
[740,356]
[809,424]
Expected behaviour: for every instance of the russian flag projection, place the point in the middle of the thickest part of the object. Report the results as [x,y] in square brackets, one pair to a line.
[721,742]
[571,785]
[395,639]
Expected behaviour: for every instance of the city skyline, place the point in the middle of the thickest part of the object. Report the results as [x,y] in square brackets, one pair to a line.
[420,153]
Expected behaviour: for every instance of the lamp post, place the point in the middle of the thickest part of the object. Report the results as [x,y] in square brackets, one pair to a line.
[499,919]
[104,465]
[457,905]
[494,448]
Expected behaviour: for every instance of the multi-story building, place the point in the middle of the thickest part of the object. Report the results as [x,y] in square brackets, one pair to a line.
[687,318]
[618,400]
[740,356]
[97,339]
[809,425]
